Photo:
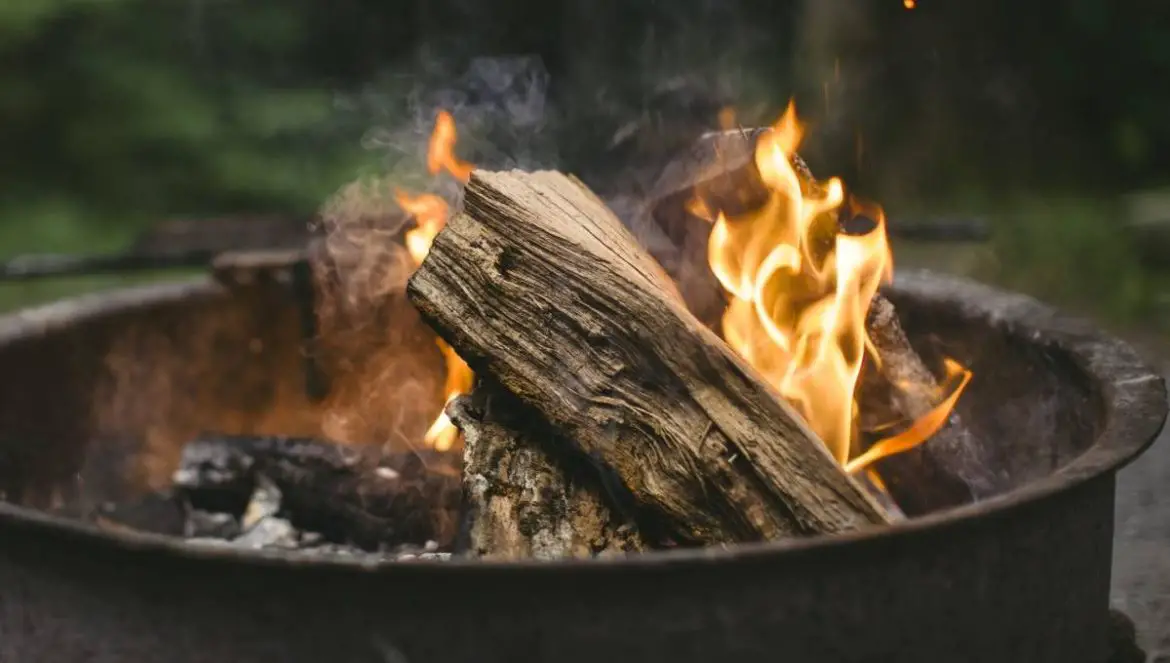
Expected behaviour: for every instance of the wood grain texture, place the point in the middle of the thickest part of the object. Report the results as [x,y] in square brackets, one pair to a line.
[538,285]
[524,499]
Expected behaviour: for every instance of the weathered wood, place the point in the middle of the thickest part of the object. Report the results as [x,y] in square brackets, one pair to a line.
[523,496]
[537,284]
[954,466]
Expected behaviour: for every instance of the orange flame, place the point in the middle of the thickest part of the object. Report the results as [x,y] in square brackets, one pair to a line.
[925,426]
[800,289]
[430,213]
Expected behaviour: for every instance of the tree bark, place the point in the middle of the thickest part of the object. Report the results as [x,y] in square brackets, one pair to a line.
[538,285]
[524,496]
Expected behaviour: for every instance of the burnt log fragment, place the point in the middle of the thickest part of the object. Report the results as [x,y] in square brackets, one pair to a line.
[354,495]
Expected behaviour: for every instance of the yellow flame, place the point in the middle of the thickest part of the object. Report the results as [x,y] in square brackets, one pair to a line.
[430,213]
[799,292]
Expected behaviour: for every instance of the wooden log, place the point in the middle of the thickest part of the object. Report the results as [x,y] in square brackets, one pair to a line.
[349,494]
[953,467]
[524,495]
[538,285]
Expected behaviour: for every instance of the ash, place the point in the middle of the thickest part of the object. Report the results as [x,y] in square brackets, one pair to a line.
[301,497]
[262,527]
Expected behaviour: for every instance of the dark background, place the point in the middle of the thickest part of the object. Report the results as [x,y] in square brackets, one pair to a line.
[1048,119]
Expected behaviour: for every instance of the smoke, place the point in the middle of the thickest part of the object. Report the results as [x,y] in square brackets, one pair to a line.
[611,97]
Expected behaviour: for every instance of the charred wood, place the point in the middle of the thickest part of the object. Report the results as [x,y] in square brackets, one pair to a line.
[347,494]
[953,467]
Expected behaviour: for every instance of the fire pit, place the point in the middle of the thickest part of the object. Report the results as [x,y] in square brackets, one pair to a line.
[1018,576]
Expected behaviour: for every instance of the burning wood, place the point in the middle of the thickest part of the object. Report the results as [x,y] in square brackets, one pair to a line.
[771,219]
[539,286]
[608,419]
[953,466]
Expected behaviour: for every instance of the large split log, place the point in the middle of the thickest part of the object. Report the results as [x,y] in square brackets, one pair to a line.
[525,496]
[953,467]
[538,285]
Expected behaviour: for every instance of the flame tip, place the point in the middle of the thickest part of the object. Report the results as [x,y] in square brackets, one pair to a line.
[800,288]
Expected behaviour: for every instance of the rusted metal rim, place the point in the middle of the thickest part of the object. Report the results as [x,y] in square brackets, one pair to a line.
[1134,405]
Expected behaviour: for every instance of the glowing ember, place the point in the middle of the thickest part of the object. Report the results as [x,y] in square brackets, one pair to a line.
[800,289]
[909,4]
[430,215]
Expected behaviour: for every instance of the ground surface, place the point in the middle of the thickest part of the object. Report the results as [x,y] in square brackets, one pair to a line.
[1141,556]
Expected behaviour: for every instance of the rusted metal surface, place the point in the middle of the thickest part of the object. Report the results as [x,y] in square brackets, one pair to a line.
[1023,576]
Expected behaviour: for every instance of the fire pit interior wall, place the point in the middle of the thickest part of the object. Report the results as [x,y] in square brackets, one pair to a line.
[1027,395]
[108,395]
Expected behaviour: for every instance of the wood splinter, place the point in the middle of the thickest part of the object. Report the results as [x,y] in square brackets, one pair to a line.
[537,285]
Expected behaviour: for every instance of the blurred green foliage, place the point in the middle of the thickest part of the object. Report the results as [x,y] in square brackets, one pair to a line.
[115,113]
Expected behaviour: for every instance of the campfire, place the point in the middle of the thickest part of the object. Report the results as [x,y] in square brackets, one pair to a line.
[601,399]
[265,439]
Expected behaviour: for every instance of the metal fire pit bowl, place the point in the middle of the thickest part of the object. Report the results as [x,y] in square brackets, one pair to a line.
[1023,576]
